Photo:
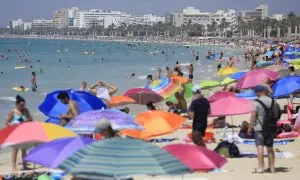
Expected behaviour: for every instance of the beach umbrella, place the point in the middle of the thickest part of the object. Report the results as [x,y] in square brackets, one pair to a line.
[196,157]
[180,80]
[248,94]
[237,75]
[31,133]
[231,105]
[155,123]
[53,108]
[164,87]
[256,77]
[85,123]
[227,71]
[286,86]
[227,81]
[269,53]
[143,95]
[220,95]
[121,101]
[120,158]
[53,153]
[295,62]
[187,93]
[208,84]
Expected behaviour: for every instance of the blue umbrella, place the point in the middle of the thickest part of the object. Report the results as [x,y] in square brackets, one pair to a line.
[249,94]
[119,158]
[286,86]
[237,75]
[269,53]
[53,108]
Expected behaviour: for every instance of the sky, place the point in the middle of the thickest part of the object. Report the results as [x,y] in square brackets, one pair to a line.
[30,9]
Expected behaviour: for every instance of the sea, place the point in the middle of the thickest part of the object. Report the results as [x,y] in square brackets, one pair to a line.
[64,64]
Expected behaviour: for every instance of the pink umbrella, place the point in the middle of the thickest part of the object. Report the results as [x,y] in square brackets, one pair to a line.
[143,95]
[195,157]
[220,95]
[230,105]
[256,77]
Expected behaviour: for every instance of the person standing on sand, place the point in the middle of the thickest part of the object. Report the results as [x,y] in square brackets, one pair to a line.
[33,82]
[19,115]
[264,107]
[158,73]
[169,72]
[199,111]
[181,102]
[191,71]
[72,108]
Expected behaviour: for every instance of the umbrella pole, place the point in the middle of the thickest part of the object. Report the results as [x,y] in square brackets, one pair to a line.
[232,129]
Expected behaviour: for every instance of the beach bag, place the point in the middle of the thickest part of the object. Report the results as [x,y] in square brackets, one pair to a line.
[269,125]
[227,149]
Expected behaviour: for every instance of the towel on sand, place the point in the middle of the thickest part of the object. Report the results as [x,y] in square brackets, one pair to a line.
[278,155]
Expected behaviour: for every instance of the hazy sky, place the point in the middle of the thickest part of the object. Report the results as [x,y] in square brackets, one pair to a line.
[29,9]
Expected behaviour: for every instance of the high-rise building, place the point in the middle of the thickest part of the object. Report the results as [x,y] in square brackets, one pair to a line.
[60,19]
[71,15]
[260,12]
[42,23]
[96,18]
[190,15]
[15,24]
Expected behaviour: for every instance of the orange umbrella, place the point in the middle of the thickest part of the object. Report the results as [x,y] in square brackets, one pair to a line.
[180,80]
[121,101]
[156,123]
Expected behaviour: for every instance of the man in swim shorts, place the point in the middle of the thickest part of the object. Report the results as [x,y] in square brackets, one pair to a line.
[72,108]
[33,82]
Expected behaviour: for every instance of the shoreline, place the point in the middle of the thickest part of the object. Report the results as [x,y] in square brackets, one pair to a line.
[188,41]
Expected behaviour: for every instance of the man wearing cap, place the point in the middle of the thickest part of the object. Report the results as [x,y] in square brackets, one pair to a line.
[198,111]
[258,118]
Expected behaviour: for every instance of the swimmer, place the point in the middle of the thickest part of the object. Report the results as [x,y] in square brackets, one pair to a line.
[191,71]
[59,60]
[69,68]
[133,75]
[33,82]
[31,67]
[41,70]
[1,72]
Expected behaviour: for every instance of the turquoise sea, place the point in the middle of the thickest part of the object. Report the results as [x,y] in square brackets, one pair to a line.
[120,61]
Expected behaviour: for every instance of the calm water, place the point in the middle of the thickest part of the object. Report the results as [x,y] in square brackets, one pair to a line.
[122,60]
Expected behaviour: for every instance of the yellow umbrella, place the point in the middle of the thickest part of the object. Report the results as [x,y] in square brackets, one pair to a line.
[227,81]
[209,84]
[227,71]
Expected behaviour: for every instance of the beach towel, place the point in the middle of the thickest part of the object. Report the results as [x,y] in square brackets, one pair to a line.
[278,155]
[276,141]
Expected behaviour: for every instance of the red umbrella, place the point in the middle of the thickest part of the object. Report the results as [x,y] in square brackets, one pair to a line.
[257,77]
[230,105]
[143,96]
[220,95]
[196,157]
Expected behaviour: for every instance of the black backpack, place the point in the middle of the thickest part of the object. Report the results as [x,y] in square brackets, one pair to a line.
[269,125]
[227,149]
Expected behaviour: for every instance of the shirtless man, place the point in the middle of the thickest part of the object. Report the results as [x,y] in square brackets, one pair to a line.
[72,108]
[191,71]
[169,72]
[104,91]
[159,73]
[177,66]
[33,82]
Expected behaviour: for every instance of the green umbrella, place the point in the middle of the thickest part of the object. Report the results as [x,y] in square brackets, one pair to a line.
[187,93]
[227,81]
[295,61]
[209,84]
[119,158]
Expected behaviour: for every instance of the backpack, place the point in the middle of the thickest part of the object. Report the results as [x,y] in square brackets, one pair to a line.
[269,125]
[227,149]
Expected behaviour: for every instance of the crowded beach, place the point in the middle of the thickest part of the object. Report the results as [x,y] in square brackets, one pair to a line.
[242,124]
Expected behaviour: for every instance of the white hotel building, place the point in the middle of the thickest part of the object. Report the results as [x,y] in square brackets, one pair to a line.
[194,16]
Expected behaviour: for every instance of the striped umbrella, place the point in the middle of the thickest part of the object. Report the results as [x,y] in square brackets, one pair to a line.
[165,87]
[121,158]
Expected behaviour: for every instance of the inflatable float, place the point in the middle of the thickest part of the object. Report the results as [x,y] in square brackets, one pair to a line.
[19,89]
[20,67]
